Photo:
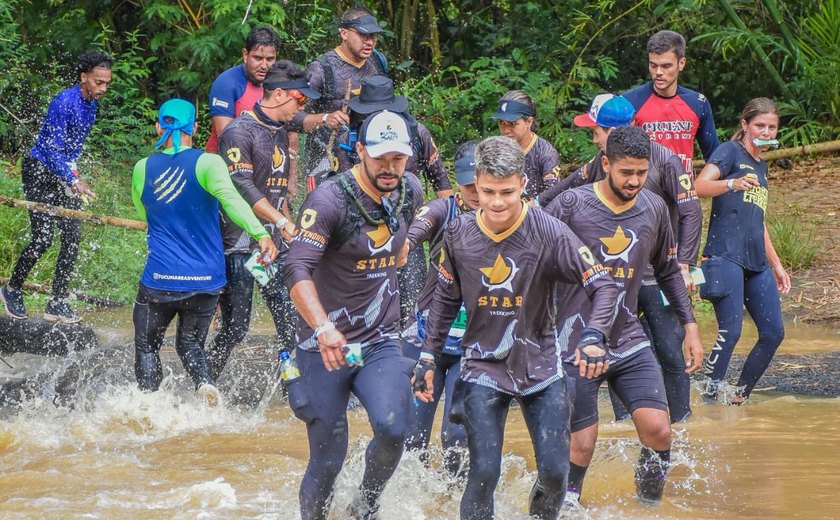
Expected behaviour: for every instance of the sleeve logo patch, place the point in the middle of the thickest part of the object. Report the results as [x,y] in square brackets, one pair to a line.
[307,218]
[685,182]
[587,255]
[234,154]
[220,103]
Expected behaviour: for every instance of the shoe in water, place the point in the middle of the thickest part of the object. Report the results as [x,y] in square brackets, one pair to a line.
[58,311]
[13,301]
[360,510]
[210,394]
[571,502]
[650,485]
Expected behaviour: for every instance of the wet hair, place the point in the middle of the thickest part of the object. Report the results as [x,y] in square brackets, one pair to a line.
[92,59]
[262,35]
[467,148]
[356,12]
[525,99]
[628,142]
[500,157]
[667,41]
[754,108]
[283,70]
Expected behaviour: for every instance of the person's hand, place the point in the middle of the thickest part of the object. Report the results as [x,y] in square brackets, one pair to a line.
[268,251]
[288,231]
[745,183]
[591,354]
[80,187]
[782,278]
[423,380]
[330,343]
[685,270]
[402,256]
[336,119]
[692,348]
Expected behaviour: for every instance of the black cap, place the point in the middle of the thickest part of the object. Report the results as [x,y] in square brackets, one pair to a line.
[377,93]
[366,24]
[275,78]
[512,110]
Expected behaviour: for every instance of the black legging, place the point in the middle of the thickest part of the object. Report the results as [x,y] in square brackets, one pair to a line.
[39,185]
[547,417]
[411,278]
[151,319]
[382,385]
[236,303]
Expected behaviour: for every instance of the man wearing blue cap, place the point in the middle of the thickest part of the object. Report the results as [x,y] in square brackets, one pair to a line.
[178,190]
[255,147]
[429,224]
[354,59]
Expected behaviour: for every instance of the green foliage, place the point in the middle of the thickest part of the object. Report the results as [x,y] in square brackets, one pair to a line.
[797,248]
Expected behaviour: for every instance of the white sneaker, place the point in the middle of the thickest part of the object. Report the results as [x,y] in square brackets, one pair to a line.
[210,394]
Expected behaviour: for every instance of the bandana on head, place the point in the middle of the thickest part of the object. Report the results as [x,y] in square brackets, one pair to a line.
[175,116]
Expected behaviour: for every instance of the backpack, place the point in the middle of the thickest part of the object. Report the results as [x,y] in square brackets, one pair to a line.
[351,224]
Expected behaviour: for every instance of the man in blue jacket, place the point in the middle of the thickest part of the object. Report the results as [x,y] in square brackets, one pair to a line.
[51,176]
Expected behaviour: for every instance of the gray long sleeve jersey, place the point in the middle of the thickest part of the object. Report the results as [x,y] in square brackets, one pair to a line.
[626,240]
[507,283]
[667,179]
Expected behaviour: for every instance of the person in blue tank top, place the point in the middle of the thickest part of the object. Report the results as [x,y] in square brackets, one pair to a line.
[739,262]
[177,190]
[50,175]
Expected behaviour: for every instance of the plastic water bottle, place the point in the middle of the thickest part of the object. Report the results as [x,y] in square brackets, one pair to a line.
[288,369]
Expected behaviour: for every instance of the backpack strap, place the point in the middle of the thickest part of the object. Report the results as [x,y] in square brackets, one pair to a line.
[381,61]
[329,79]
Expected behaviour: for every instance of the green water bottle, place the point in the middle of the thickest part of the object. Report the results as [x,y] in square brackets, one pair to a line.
[288,369]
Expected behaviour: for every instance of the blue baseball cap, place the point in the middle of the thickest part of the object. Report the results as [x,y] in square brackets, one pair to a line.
[608,111]
[512,110]
[465,163]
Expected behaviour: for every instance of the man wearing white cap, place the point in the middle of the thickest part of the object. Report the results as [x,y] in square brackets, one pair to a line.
[341,271]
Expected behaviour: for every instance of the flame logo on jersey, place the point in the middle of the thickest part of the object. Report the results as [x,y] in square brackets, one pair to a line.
[499,275]
[619,245]
[381,239]
[278,159]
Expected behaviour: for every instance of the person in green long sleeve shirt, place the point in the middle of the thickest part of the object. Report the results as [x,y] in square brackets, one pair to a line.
[178,191]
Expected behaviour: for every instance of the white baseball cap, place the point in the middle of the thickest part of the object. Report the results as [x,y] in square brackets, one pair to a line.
[385,132]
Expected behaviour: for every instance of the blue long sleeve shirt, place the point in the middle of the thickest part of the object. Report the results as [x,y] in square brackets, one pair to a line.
[66,126]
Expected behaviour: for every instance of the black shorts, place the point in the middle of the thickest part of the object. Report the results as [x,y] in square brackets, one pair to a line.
[637,380]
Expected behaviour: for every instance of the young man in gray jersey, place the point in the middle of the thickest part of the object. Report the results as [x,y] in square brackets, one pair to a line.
[504,261]
[629,229]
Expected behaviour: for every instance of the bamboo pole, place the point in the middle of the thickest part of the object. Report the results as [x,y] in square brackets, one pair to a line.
[784,153]
[73,213]
[44,288]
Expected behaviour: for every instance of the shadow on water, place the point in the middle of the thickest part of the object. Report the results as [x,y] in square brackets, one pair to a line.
[82,440]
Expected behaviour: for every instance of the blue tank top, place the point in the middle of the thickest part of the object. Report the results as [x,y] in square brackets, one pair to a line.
[736,225]
[185,242]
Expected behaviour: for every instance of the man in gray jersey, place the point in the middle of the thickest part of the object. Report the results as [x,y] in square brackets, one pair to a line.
[504,261]
[629,229]
[667,179]
[341,271]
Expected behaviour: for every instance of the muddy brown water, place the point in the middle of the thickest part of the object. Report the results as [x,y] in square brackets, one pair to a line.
[118,453]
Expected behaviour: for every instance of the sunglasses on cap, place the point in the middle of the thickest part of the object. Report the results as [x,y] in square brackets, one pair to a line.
[390,215]
[300,97]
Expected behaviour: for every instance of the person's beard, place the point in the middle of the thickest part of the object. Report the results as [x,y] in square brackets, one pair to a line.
[374,179]
[617,191]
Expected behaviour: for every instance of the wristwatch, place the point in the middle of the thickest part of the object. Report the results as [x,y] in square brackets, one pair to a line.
[281,223]
[731,184]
